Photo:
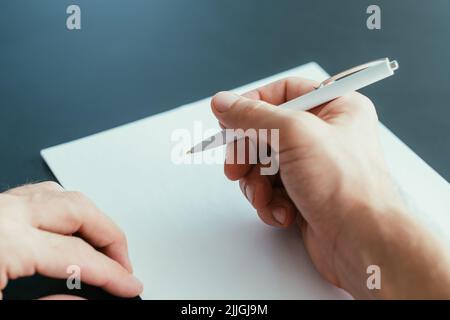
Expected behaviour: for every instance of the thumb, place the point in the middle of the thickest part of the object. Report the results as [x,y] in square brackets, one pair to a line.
[238,112]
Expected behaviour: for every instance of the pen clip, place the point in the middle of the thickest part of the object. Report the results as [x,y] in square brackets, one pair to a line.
[351,71]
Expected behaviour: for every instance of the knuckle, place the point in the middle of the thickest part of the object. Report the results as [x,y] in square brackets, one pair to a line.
[79,245]
[51,185]
[78,204]
[367,107]
[240,103]
[82,210]
[360,99]
[249,107]
[36,203]
[76,196]
[358,105]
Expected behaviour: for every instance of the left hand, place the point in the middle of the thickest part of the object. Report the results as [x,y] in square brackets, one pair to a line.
[37,227]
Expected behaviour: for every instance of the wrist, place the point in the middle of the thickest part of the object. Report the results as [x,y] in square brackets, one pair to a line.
[411,263]
[364,243]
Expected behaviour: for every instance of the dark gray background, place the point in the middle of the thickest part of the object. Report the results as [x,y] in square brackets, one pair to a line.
[136,58]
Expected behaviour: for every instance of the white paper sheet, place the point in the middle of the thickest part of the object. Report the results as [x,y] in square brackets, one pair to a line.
[191,233]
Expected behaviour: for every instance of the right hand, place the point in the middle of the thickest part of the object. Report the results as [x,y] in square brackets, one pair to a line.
[37,223]
[332,180]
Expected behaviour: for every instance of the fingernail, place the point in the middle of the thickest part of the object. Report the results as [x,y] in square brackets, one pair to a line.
[242,185]
[249,193]
[279,214]
[224,100]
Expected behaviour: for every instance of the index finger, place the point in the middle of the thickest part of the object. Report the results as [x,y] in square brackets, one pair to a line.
[283,90]
[68,212]
[62,256]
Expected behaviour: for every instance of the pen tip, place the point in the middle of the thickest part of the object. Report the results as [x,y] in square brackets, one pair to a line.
[189,152]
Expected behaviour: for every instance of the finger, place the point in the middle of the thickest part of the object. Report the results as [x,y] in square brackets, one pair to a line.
[28,189]
[57,252]
[234,111]
[280,211]
[250,115]
[240,158]
[283,90]
[256,188]
[72,212]
[353,106]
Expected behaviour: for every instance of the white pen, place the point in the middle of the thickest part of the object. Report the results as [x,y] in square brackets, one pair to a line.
[330,89]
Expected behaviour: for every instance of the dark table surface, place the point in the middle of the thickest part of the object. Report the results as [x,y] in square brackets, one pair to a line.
[135,58]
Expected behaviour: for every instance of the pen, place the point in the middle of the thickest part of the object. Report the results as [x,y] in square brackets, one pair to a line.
[348,81]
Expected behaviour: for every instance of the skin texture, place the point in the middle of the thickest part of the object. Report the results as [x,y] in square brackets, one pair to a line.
[334,183]
[37,227]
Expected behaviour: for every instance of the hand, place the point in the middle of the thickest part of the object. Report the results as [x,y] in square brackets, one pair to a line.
[37,227]
[334,182]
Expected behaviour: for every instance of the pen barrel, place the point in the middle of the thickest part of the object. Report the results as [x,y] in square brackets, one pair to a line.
[341,87]
[347,84]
